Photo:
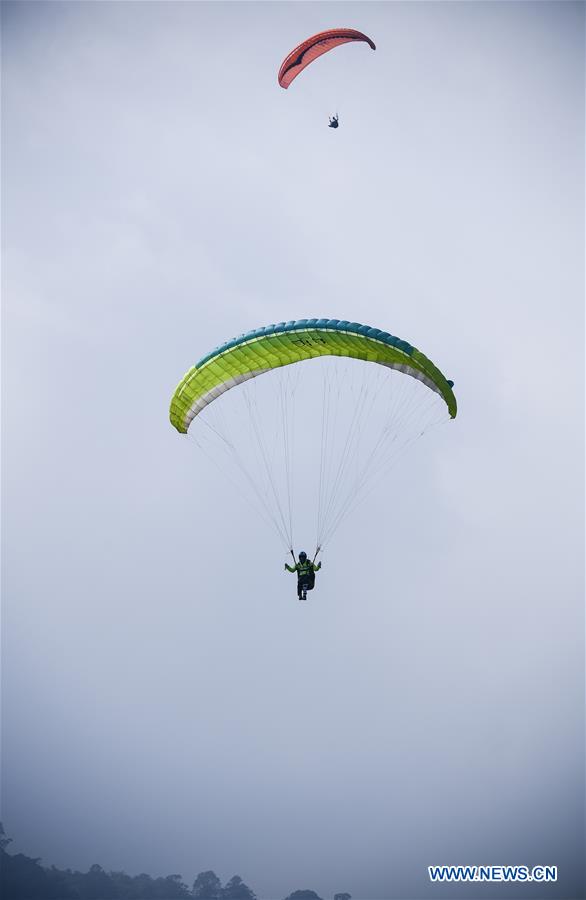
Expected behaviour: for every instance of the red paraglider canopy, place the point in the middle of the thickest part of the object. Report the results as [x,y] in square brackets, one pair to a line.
[315,46]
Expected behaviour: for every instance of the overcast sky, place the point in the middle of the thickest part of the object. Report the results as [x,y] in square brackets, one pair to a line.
[168,705]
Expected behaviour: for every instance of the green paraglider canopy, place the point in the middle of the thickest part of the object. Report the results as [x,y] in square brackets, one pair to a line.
[342,403]
[287,343]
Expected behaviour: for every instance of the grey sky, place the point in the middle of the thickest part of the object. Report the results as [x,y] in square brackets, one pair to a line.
[165,709]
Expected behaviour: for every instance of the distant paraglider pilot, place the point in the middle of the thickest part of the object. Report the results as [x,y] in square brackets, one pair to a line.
[306,570]
[333,121]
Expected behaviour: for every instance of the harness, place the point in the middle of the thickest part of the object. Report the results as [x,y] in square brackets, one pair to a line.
[305,573]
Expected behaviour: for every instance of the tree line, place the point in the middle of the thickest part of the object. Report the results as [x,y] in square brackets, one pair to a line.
[24,878]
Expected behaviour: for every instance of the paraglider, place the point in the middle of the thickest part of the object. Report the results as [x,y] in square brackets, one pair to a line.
[312,48]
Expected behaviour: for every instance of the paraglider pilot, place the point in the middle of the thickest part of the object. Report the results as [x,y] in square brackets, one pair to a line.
[306,570]
[333,121]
